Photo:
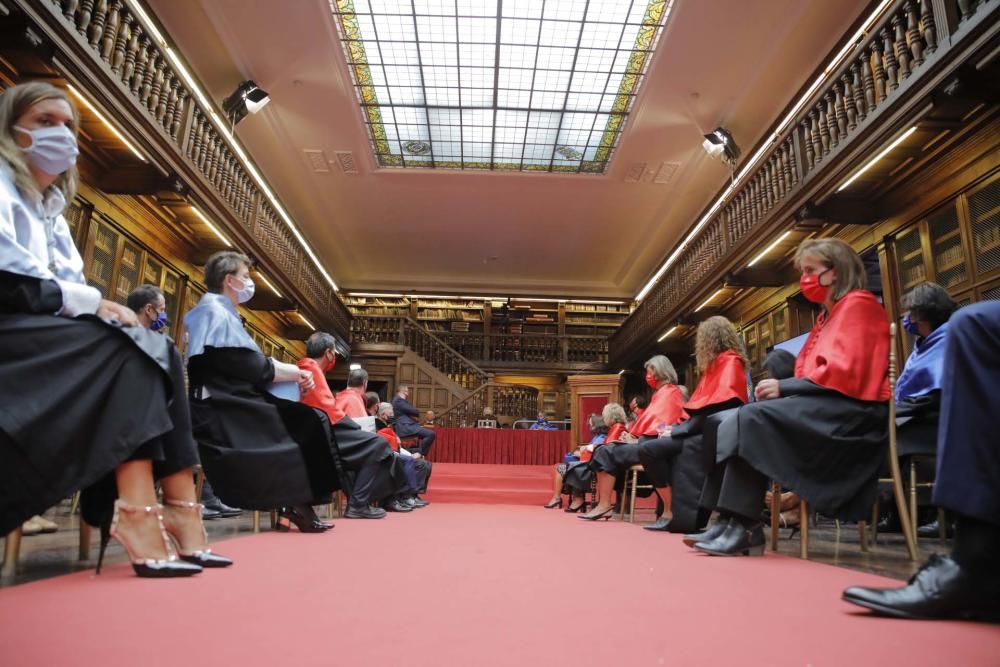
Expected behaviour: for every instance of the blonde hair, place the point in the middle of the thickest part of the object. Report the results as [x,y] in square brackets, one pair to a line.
[14,103]
[716,335]
[662,369]
[613,414]
[839,256]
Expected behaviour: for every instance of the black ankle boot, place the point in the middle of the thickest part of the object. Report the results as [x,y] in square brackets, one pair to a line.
[709,534]
[738,539]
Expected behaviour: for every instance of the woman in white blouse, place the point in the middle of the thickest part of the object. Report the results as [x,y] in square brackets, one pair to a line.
[87,398]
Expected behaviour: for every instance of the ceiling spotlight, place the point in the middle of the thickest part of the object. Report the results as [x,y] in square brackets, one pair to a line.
[247,98]
[719,142]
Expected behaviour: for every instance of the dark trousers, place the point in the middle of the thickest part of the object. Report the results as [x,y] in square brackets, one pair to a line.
[370,483]
[426,436]
[657,458]
[734,487]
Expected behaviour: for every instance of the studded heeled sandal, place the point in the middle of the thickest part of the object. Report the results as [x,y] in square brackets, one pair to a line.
[143,567]
[203,557]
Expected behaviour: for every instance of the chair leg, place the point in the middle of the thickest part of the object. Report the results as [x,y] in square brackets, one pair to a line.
[635,492]
[909,534]
[86,530]
[12,547]
[75,504]
[913,494]
[942,525]
[255,518]
[775,511]
[863,535]
[875,510]
[803,529]
[274,519]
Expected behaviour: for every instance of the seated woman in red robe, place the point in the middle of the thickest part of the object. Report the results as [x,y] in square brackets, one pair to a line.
[575,477]
[673,462]
[822,433]
[665,409]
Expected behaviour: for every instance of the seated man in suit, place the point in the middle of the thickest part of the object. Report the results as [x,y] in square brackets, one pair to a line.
[416,467]
[965,584]
[406,425]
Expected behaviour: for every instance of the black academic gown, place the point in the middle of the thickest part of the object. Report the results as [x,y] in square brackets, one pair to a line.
[261,452]
[78,397]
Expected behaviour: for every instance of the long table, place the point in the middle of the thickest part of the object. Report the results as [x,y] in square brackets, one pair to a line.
[499,445]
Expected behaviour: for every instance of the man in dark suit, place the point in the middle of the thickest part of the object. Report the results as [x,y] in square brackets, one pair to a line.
[407,424]
[965,584]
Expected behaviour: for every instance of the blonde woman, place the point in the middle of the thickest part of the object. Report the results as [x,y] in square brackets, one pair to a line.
[95,394]
[577,476]
[822,433]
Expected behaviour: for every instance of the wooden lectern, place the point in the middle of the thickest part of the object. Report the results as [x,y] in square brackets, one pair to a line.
[588,395]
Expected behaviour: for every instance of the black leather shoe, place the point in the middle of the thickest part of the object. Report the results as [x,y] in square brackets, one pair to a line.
[397,506]
[415,503]
[223,509]
[736,540]
[707,535]
[303,518]
[890,524]
[364,512]
[933,529]
[940,589]
[207,514]
[661,524]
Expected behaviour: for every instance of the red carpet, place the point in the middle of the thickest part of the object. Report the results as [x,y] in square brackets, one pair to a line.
[466,585]
[490,484]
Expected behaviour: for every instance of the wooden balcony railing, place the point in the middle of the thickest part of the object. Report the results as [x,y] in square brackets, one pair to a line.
[110,50]
[912,37]
[478,348]
[506,400]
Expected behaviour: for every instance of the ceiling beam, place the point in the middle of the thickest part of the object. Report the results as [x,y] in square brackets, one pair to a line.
[139,180]
[759,277]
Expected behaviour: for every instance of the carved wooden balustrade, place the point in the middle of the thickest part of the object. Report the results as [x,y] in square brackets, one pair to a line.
[114,50]
[441,355]
[490,348]
[877,75]
[507,400]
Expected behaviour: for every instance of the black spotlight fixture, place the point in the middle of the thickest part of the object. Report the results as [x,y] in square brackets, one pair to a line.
[248,98]
[719,142]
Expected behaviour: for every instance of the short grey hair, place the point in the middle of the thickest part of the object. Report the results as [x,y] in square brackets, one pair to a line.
[142,296]
[222,264]
[662,369]
[319,343]
[357,378]
[613,413]
[384,408]
[401,388]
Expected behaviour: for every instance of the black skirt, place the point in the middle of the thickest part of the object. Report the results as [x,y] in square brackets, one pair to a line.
[579,476]
[821,444]
[78,397]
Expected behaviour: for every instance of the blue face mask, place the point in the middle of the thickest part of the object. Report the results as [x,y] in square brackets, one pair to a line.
[53,149]
[159,322]
[909,326]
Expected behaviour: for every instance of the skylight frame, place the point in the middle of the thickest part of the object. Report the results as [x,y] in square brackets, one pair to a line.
[446,129]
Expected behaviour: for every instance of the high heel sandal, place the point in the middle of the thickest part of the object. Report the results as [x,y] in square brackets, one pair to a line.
[203,557]
[582,507]
[553,503]
[144,567]
[606,514]
[297,515]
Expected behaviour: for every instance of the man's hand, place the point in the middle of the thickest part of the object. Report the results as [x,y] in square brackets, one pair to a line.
[766,390]
[628,437]
[109,310]
[306,382]
[418,455]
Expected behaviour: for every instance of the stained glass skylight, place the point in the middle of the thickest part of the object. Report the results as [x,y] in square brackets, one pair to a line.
[515,85]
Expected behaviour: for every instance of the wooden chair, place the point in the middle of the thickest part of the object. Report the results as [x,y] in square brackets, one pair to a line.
[630,491]
[12,547]
[909,528]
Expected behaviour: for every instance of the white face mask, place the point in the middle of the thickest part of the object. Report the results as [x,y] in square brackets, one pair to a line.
[53,149]
[246,293]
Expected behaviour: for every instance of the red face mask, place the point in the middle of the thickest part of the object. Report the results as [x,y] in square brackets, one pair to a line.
[330,364]
[650,380]
[812,288]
